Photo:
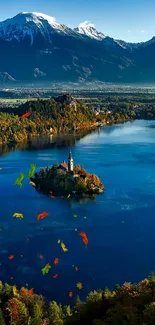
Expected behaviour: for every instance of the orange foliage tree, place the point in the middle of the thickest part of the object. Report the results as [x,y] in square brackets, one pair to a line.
[18,312]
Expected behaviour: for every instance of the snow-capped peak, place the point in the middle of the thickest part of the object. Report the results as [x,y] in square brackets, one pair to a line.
[88,29]
[36,16]
[29,24]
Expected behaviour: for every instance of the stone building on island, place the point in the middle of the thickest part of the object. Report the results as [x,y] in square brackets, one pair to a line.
[70,167]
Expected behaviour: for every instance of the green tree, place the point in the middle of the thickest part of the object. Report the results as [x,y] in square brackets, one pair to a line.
[8,291]
[23,314]
[93,297]
[36,315]
[67,311]
[78,306]
[18,312]
[55,314]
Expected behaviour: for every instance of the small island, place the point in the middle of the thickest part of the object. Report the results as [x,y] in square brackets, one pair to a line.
[67,180]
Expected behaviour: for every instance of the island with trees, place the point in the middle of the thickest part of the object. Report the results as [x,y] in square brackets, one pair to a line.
[67,180]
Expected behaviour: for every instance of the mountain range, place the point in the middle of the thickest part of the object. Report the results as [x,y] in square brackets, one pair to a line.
[34,47]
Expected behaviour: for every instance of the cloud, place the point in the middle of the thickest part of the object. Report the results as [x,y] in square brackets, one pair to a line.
[142,31]
[129,30]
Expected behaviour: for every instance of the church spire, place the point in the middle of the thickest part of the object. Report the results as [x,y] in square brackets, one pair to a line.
[70,162]
[70,154]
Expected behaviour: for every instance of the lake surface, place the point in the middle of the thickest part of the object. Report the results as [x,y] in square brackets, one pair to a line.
[120,224]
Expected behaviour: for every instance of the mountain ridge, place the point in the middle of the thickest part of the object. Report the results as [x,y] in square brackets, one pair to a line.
[34,46]
[84,28]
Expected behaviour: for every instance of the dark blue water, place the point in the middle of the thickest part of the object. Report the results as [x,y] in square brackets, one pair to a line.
[120,224]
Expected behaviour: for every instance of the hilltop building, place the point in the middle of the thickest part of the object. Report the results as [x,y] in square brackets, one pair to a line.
[67,99]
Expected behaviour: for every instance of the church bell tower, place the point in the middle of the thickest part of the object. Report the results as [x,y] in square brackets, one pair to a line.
[70,162]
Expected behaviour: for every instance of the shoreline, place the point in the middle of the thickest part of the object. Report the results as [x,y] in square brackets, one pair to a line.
[45,141]
[78,131]
[59,140]
[74,132]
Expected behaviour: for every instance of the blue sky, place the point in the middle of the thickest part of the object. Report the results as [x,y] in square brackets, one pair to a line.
[130,20]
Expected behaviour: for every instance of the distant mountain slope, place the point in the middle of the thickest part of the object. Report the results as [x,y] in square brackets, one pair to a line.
[129,46]
[34,46]
[6,78]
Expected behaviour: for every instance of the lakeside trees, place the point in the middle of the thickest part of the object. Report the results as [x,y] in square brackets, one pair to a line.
[45,114]
[129,304]
[48,114]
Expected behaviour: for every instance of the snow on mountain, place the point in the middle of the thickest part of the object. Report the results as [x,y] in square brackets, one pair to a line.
[89,30]
[30,24]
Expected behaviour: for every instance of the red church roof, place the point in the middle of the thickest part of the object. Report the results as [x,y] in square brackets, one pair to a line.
[64,165]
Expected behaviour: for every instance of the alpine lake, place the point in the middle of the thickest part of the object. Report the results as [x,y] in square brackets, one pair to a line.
[120,224]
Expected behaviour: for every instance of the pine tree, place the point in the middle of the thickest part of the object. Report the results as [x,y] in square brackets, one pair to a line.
[23,313]
[78,305]
[67,311]
[36,316]
[8,291]
[55,314]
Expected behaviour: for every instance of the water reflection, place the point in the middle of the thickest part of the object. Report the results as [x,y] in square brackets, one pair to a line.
[45,142]
[81,199]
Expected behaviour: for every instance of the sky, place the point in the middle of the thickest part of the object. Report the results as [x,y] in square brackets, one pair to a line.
[129,20]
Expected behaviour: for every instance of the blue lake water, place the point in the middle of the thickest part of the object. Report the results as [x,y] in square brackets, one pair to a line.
[120,224]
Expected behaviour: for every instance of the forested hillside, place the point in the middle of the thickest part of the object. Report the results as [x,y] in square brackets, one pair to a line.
[129,304]
[45,114]
[51,116]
